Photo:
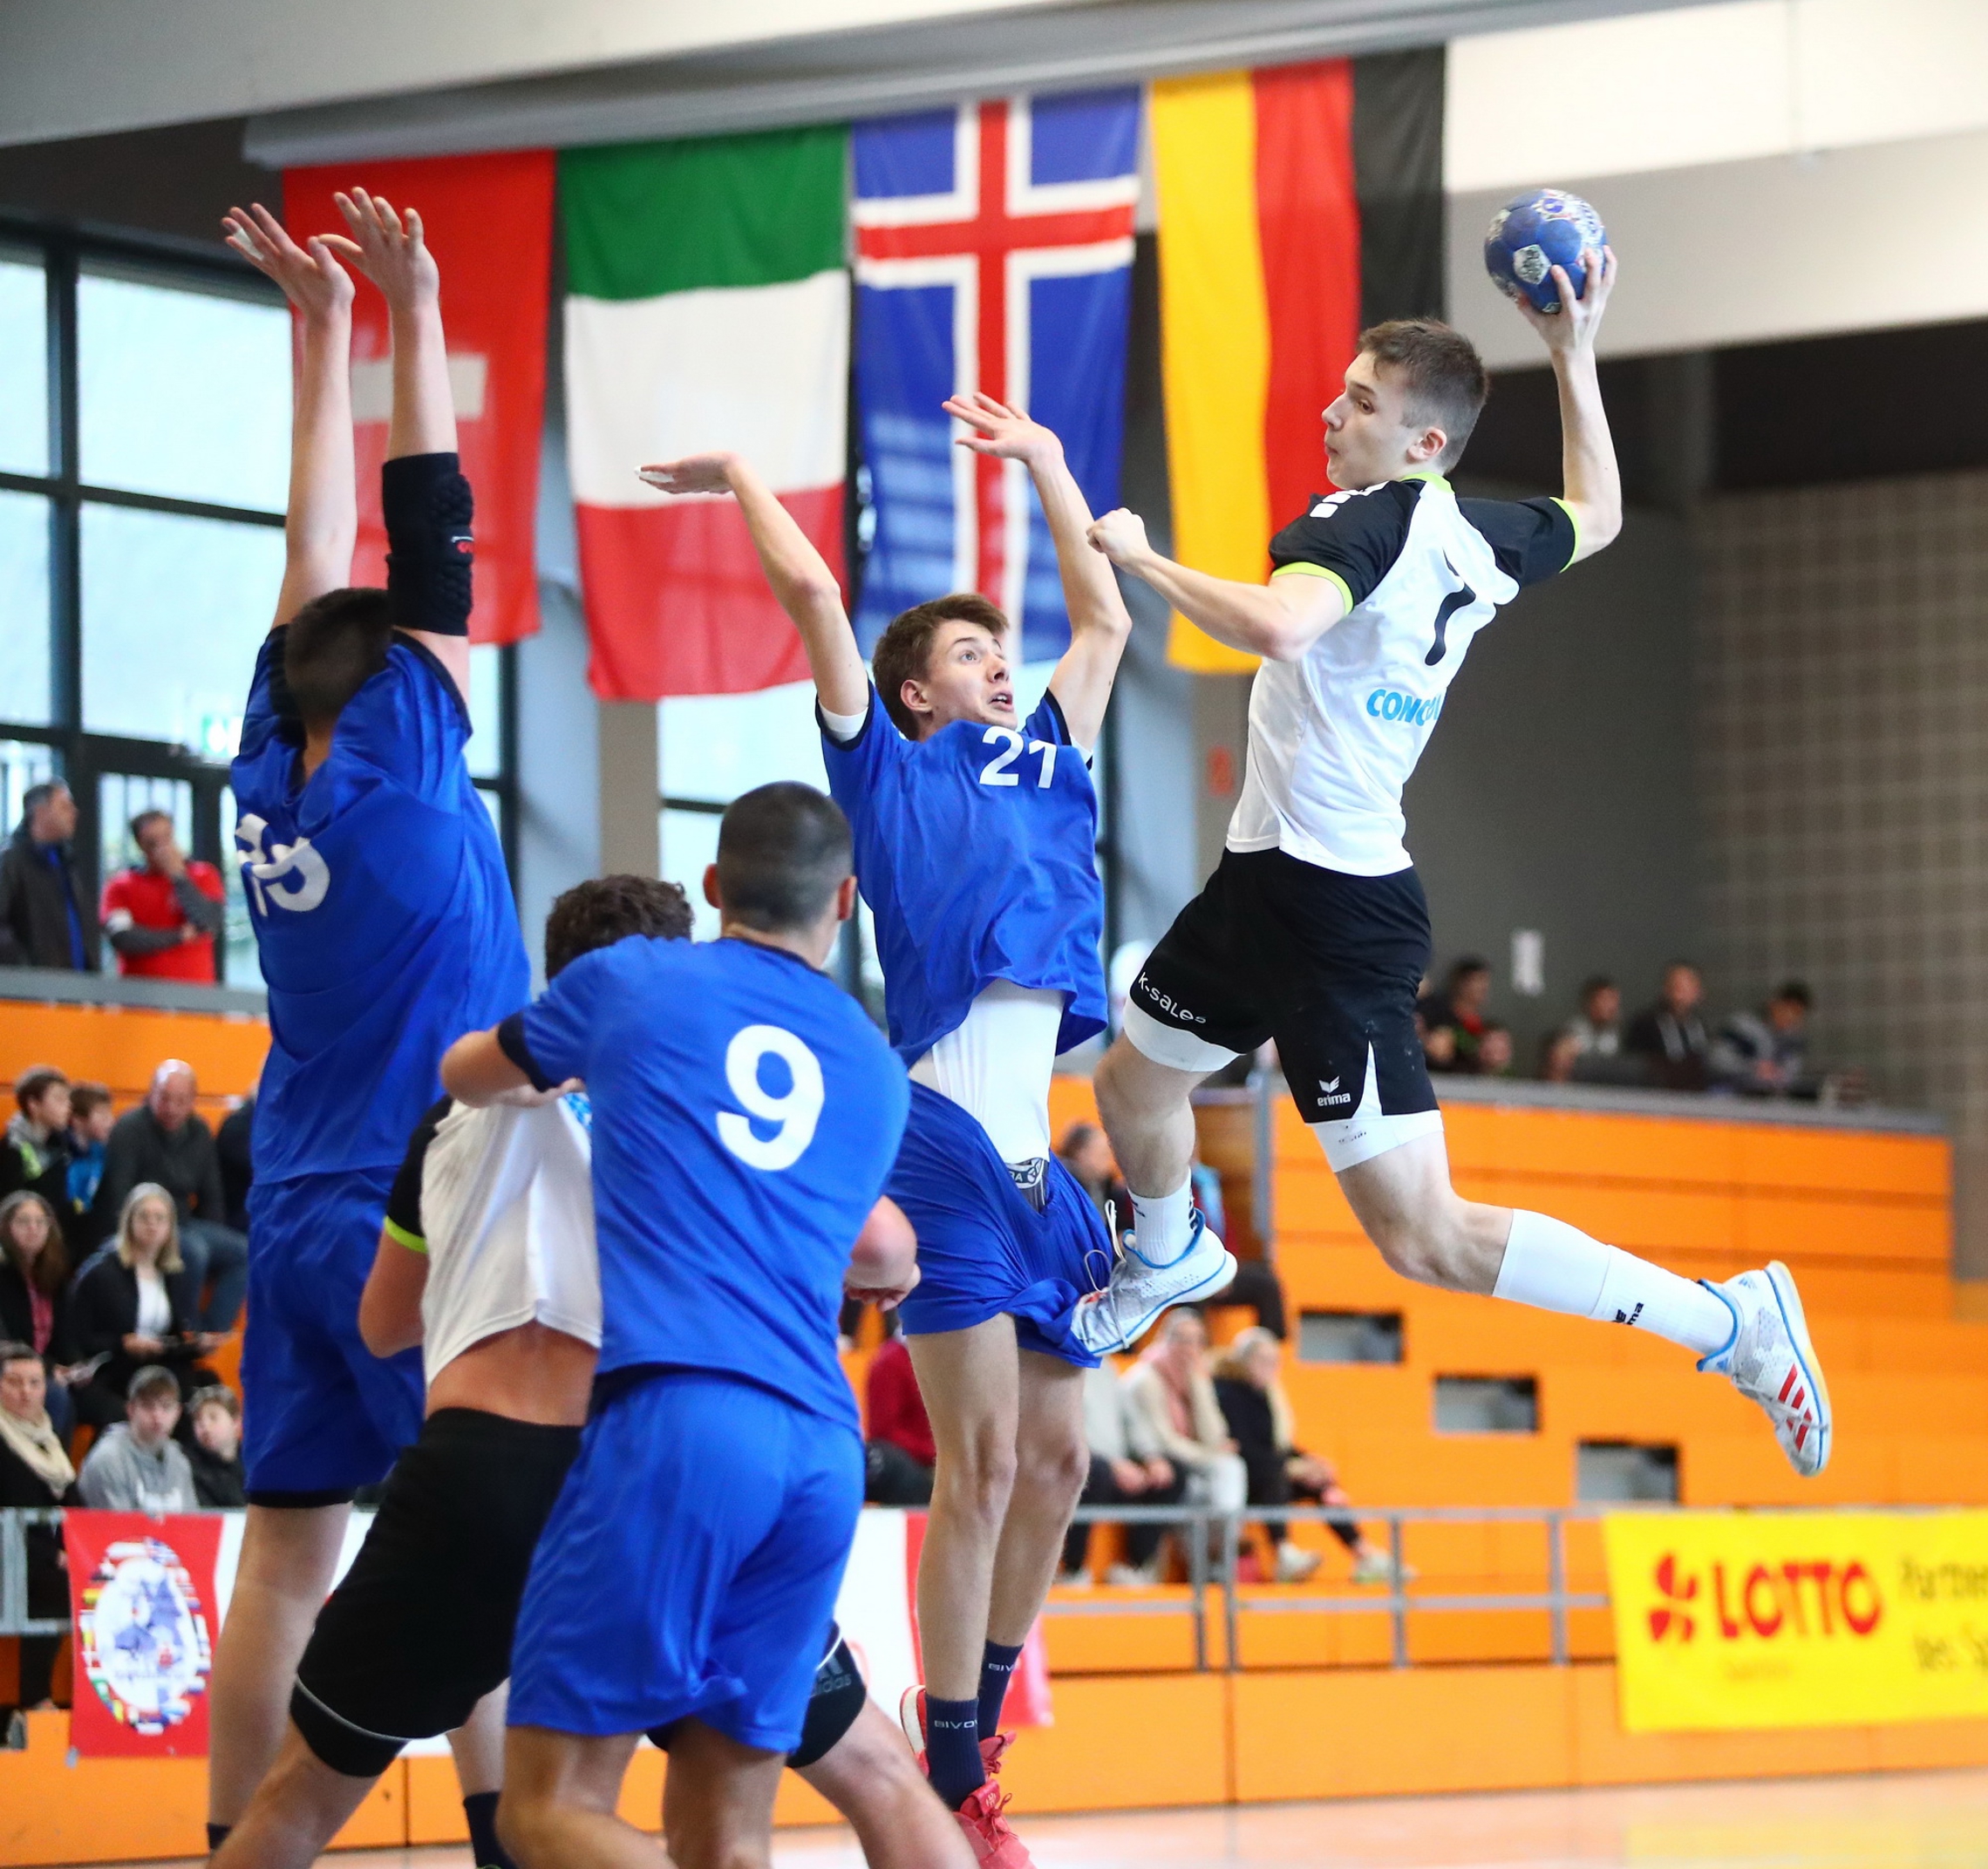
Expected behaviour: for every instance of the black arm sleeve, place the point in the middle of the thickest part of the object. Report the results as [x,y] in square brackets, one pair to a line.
[1356,537]
[135,940]
[428,507]
[201,910]
[1532,540]
[511,1043]
[403,1204]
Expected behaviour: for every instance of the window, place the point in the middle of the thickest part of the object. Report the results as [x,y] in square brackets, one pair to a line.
[144,418]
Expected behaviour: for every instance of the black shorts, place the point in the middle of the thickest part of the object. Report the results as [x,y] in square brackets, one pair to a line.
[421,1628]
[833,1705]
[1328,965]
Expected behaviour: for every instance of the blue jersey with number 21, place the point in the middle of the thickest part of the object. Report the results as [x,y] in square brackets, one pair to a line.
[976,852]
[745,1114]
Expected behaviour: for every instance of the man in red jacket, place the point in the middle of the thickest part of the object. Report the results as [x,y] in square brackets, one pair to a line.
[163,915]
[899,1454]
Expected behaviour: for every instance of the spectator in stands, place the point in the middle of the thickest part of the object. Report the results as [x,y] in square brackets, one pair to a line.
[1086,1153]
[1495,1051]
[162,914]
[138,1467]
[1453,1020]
[237,1169]
[1596,1031]
[1170,1387]
[1765,1053]
[1670,1036]
[900,1455]
[215,1452]
[91,1115]
[163,1141]
[1281,1473]
[132,1307]
[35,1472]
[1559,1056]
[43,923]
[36,1152]
[34,1290]
[1127,1468]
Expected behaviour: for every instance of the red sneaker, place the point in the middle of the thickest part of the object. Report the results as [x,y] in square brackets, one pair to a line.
[994,1844]
[911,1717]
[992,1751]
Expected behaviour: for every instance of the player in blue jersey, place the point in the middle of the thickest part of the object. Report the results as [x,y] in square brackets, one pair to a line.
[974,838]
[384,922]
[745,1115]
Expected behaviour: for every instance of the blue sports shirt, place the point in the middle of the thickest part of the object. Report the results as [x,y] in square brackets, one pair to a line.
[745,1115]
[976,852]
[382,910]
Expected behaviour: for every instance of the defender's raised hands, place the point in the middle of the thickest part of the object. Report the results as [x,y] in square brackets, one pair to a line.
[1003,433]
[311,275]
[388,246]
[695,473]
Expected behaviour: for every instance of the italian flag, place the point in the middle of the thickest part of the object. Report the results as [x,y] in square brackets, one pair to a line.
[707,308]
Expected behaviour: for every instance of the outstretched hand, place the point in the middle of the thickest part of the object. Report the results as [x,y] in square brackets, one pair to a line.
[388,247]
[1003,433]
[311,275]
[695,473]
[1121,535]
[1572,328]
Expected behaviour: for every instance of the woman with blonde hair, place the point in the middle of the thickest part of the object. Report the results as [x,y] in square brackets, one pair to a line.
[1259,1419]
[134,1304]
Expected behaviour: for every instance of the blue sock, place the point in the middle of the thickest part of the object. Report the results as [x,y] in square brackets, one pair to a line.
[952,1749]
[996,1668]
[217,1835]
[480,1808]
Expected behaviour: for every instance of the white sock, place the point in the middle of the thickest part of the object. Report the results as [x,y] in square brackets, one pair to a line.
[1558,1267]
[1161,1222]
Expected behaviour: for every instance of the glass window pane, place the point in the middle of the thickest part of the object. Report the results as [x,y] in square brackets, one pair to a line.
[173,610]
[186,393]
[23,764]
[486,749]
[715,746]
[24,367]
[240,966]
[24,608]
[689,847]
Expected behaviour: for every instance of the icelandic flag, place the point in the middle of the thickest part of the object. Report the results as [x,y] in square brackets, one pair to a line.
[979,230]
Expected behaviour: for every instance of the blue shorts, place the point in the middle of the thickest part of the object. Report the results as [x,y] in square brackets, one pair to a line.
[691,1565]
[321,1414]
[982,1250]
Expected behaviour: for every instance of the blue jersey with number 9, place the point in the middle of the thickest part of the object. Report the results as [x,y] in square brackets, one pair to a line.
[975,850]
[745,1112]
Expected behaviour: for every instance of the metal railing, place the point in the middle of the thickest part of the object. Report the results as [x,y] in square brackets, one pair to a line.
[14,1617]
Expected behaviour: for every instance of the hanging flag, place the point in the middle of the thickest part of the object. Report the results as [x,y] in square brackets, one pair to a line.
[1259,308]
[708,308]
[488,220]
[977,230]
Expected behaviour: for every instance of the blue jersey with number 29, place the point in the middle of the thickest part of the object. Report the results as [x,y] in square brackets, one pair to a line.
[745,1114]
[976,852]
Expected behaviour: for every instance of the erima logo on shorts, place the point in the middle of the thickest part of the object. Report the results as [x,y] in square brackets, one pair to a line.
[1390,704]
[1167,1004]
[1333,1093]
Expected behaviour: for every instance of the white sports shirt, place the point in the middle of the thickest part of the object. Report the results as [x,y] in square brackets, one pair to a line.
[506,1204]
[1334,737]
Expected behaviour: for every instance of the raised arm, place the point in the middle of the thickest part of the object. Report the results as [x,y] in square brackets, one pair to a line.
[1592,481]
[1100,625]
[801,582]
[322,524]
[1278,621]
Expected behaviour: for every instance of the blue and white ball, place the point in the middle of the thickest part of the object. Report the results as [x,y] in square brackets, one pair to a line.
[1532,234]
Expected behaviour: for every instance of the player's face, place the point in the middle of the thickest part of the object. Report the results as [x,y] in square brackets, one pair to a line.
[966,678]
[1369,437]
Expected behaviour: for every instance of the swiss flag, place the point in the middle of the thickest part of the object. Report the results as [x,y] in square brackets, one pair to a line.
[488,220]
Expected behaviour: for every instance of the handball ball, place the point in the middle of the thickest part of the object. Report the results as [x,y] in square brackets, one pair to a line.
[1532,234]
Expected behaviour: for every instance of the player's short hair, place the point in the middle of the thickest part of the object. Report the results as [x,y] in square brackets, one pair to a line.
[783,851]
[35,1083]
[904,650]
[1442,371]
[335,644]
[599,912]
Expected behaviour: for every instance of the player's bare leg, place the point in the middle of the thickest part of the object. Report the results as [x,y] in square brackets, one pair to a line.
[870,1776]
[289,1555]
[300,1806]
[1052,1462]
[560,1794]
[718,1800]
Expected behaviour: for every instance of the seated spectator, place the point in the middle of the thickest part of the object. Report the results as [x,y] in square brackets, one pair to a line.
[231,1142]
[137,1466]
[163,1142]
[36,1152]
[1596,1031]
[35,1472]
[44,921]
[1280,1472]
[1559,1056]
[1170,1387]
[34,1291]
[1670,1036]
[1765,1053]
[1086,1153]
[1453,1020]
[899,1455]
[1126,1469]
[215,1452]
[90,1120]
[162,914]
[132,1307]
[1494,1052]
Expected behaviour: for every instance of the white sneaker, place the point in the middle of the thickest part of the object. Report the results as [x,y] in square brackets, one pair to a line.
[1295,1566]
[1377,1566]
[1770,1360]
[1133,1576]
[1107,1321]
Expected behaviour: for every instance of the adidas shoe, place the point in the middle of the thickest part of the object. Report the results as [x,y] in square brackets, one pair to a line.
[1770,1360]
[1107,1321]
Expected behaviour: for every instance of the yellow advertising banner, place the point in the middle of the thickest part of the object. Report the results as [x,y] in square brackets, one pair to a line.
[1729,1620]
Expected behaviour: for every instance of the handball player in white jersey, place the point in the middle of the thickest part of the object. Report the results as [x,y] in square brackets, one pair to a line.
[1313,930]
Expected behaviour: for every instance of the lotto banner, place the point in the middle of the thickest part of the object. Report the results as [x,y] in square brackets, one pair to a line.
[1748,1619]
[142,1598]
